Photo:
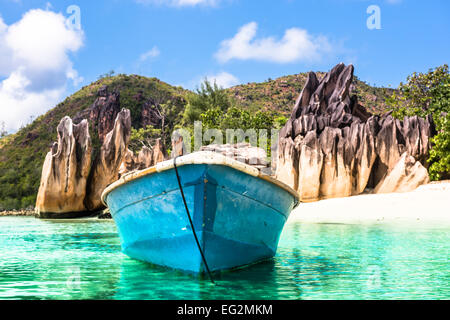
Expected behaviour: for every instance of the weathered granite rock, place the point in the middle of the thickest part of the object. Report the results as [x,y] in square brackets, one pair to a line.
[66,168]
[407,175]
[129,163]
[104,111]
[150,115]
[336,170]
[112,154]
[332,147]
[243,152]
[144,158]
[287,163]
[310,165]
[159,152]
[178,147]
[363,148]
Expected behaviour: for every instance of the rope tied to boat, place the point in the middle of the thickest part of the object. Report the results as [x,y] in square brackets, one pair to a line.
[190,220]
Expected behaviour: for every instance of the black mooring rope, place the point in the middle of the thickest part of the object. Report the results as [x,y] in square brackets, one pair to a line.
[190,221]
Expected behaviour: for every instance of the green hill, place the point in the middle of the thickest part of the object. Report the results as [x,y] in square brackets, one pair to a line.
[22,154]
[280,94]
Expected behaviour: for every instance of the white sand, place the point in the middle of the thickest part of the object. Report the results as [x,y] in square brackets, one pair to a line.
[429,203]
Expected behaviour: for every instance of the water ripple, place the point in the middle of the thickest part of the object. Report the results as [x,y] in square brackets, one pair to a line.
[82,260]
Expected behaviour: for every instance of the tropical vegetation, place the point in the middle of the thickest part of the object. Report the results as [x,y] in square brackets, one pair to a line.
[427,94]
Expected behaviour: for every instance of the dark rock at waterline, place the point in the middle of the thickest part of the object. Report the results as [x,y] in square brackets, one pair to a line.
[332,147]
[105,215]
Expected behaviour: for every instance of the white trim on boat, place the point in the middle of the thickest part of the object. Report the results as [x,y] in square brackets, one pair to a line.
[201,157]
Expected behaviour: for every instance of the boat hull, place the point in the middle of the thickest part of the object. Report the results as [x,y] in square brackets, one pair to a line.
[238,217]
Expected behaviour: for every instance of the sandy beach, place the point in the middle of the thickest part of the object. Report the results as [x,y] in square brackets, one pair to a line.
[429,203]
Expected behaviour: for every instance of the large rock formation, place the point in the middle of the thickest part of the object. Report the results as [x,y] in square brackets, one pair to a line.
[331,147]
[71,186]
[70,183]
[106,166]
[65,172]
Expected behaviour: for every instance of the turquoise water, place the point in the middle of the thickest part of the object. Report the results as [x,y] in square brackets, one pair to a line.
[82,260]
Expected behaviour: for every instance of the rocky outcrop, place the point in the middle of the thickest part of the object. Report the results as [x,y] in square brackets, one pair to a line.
[112,154]
[243,152]
[65,172]
[144,158]
[407,175]
[150,115]
[102,113]
[129,163]
[70,185]
[178,147]
[332,147]
[159,152]
[309,168]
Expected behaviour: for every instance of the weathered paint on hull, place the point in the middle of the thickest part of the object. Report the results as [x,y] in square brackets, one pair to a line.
[238,217]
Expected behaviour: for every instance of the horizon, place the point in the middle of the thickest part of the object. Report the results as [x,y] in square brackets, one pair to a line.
[50,51]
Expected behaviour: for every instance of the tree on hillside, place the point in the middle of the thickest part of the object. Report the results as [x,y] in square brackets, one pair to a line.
[160,100]
[262,122]
[143,137]
[428,94]
[417,96]
[3,132]
[208,96]
[106,75]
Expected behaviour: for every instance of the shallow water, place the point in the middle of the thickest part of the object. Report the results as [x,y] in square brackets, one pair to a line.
[82,260]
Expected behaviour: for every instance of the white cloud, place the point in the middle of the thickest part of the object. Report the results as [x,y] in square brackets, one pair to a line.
[181,3]
[296,45]
[35,64]
[153,53]
[223,79]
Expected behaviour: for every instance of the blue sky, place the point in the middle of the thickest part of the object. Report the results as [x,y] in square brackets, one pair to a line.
[42,59]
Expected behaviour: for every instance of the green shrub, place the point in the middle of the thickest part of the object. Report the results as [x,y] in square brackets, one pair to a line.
[440,153]
[429,94]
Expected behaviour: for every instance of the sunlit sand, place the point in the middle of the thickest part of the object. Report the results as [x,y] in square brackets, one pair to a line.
[428,203]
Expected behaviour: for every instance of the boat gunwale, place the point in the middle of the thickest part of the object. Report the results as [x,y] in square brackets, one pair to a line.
[197,158]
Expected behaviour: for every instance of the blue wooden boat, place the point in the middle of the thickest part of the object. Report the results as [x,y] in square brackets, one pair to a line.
[237,212]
